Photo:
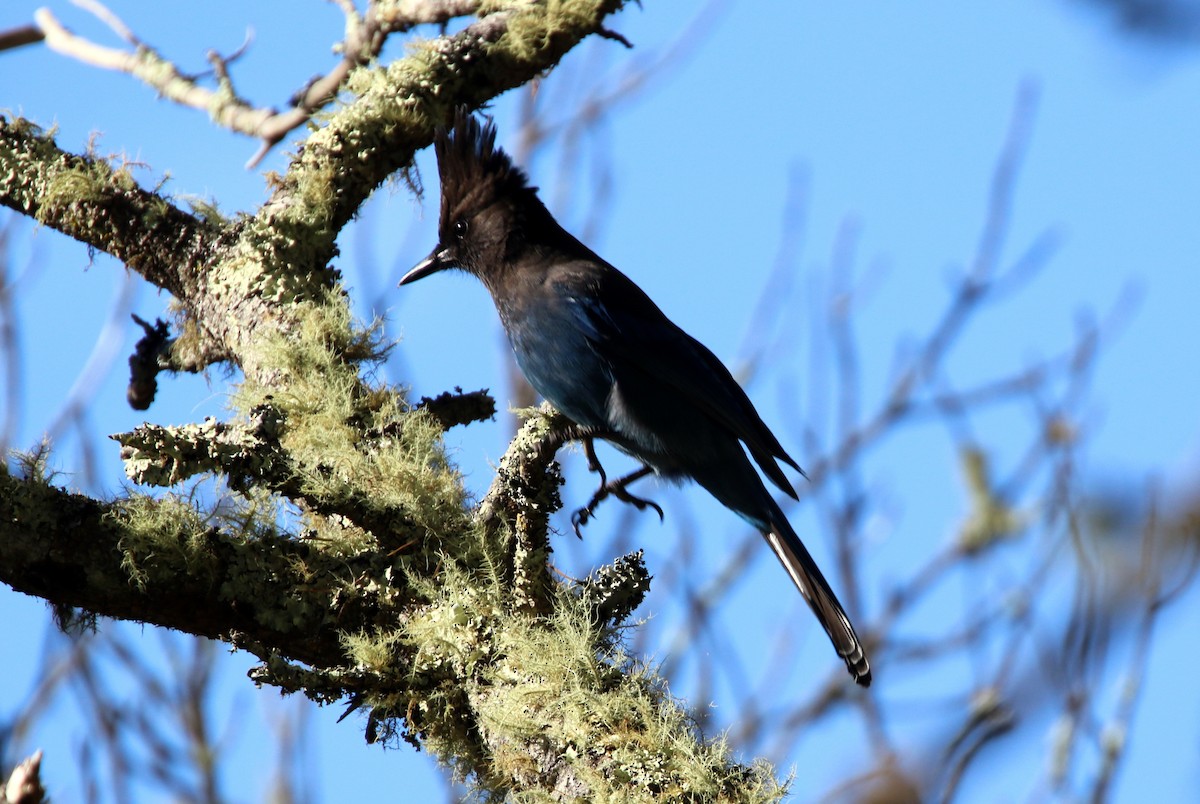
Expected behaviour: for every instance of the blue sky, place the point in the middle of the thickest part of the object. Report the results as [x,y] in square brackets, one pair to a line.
[893,114]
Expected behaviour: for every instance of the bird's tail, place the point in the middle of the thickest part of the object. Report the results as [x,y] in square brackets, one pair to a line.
[795,558]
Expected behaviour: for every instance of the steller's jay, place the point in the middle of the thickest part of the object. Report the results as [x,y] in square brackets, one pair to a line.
[593,344]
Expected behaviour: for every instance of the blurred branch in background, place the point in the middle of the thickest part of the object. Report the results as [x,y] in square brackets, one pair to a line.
[1155,21]
[156,726]
[11,363]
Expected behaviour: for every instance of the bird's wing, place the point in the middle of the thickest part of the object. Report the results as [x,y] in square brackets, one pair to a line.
[627,328]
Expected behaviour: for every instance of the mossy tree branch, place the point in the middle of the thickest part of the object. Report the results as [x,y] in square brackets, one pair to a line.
[164,562]
[87,199]
[235,276]
[347,555]
[516,681]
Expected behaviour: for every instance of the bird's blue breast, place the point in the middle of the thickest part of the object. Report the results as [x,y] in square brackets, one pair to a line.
[560,361]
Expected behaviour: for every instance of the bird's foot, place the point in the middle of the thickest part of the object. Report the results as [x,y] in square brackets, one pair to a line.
[594,465]
[616,488]
[552,441]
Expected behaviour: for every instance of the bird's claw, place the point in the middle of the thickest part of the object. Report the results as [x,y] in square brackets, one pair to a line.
[593,462]
[616,488]
[579,519]
[639,503]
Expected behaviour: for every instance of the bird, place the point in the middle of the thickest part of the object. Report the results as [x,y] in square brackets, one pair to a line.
[596,347]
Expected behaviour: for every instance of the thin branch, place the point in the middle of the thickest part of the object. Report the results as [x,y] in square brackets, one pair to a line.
[145,64]
[19,37]
[114,23]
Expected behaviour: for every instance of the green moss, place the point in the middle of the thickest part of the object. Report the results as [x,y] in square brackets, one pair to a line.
[206,210]
[153,528]
[347,440]
[531,31]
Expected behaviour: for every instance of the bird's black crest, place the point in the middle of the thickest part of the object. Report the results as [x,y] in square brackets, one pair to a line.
[474,172]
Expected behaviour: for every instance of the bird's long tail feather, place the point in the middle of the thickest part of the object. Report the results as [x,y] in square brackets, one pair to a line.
[795,558]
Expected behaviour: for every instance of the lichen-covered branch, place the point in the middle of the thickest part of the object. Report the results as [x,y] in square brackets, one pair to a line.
[235,277]
[165,456]
[164,562]
[251,456]
[146,64]
[516,696]
[346,554]
[365,36]
[523,685]
[451,409]
[86,198]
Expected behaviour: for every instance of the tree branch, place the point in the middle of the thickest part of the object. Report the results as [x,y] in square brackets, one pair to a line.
[161,562]
[442,618]
[147,65]
[95,203]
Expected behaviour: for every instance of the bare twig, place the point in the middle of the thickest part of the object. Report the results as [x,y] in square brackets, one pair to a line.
[145,64]
[19,37]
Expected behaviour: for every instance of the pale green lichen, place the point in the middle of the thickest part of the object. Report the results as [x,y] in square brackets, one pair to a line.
[346,440]
[164,456]
[558,687]
[206,210]
[519,686]
[166,530]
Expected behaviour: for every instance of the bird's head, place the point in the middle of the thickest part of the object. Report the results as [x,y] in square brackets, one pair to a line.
[485,201]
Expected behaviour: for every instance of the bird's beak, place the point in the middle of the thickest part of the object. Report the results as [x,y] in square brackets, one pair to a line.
[438,260]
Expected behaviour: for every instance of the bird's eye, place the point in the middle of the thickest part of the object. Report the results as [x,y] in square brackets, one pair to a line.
[459,228]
